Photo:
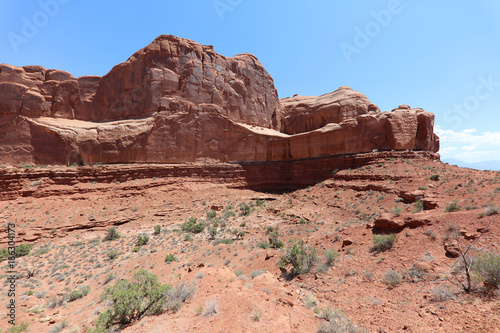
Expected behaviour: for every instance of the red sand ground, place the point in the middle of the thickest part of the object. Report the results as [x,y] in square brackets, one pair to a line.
[66,224]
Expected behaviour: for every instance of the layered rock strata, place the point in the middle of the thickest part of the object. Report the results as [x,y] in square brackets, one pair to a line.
[179,101]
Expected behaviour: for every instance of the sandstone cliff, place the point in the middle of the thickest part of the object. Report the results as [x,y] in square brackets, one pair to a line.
[177,101]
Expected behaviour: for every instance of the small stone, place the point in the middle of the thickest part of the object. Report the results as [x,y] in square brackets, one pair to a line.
[346,242]
[452,250]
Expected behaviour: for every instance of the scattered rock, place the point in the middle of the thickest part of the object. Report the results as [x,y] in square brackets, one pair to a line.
[346,242]
[388,222]
[452,250]
[31,237]
[471,236]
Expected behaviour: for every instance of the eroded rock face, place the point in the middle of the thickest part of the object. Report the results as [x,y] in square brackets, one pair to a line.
[361,127]
[177,101]
[307,113]
[173,69]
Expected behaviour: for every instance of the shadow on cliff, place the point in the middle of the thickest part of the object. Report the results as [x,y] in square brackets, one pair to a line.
[286,176]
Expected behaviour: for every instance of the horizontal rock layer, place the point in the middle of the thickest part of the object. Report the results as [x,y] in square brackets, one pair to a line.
[18,182]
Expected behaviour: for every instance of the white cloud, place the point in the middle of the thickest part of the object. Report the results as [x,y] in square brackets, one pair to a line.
[467,147]
[471,147]
[469,131]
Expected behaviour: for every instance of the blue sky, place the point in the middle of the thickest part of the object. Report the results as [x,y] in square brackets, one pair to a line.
[442,56]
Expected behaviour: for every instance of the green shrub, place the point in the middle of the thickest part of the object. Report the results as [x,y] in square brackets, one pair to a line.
[263,245]
[330,256]
[422,188]
[74,295]
[23,250]
[245,210]
[274,242]
[19,251]
[45,249]
[301,258]
[487,268]
[260,203]
[141,240]
[256,315]
[222,241]
[193,226]
[238,234]
[109,277]
[212,232]
[434,177]
[383,243]
[111,234]
[170,258]
[419,206]
[270,229]
[397,210]
[211,214]
[4,254]
[157,229]
[112,254]
[229,213]
[131,300]
[23,327]
[79,293]
[453,207]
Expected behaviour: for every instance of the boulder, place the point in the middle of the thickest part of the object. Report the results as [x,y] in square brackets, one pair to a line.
[452,250]
[389,223]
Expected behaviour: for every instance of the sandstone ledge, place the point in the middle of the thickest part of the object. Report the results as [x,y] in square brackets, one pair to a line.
[262,176]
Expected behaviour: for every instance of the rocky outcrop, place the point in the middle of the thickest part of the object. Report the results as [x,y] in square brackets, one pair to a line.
[179,101]
[403,128]
[390,223]
[307,113]
[278,176]
[157,78]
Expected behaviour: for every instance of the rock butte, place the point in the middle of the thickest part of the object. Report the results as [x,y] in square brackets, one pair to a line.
[179,101]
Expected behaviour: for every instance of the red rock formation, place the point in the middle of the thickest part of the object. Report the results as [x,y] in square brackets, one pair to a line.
[279,176]
[307,113]
[176,101]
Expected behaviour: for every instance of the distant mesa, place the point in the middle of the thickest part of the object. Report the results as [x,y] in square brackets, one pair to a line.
[179,101]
